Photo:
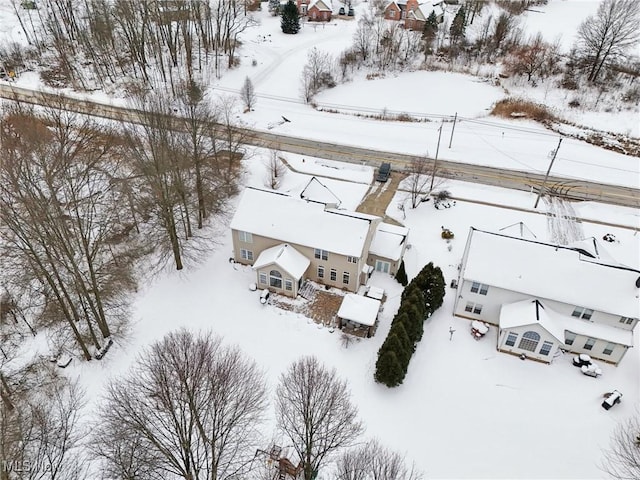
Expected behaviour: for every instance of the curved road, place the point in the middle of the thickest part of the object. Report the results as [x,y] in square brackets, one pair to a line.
[514,179]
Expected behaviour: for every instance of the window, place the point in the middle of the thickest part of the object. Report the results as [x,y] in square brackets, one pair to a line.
[334,275]
[529,341]
[245,237]
[511,339]
[288,284]
[473,308]
[581,312]
[609,348]
[321,254]
[546,348]
[382,266]
[352,259]
[477,287]
[589,343]
[569,337]
[345,278]
[275,279]
[246,254]
[263,278]
[320,271]
[626,320]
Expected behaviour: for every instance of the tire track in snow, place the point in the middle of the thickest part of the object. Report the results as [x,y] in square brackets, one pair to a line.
[562,221]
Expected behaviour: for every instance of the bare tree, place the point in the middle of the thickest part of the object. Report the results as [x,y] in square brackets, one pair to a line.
[315,411]
[317,73]
[276,170]
[535,58]
[607,36]
[191,404]
[622,459]
[58,207]
[418,180]
[372,461]
[248,94]
[40,432]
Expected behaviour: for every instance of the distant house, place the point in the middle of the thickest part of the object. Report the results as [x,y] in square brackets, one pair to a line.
[290,239]
[545,297]
[413,13]
[315,10]
[320,11]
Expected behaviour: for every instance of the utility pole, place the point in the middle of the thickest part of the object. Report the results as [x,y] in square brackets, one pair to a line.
[455,117]
[435,160]
[555,153]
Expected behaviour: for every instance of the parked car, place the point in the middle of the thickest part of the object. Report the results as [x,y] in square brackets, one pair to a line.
[384,172]
[581,360]
[341,11]
[591,370]
[611,399]
[350,13]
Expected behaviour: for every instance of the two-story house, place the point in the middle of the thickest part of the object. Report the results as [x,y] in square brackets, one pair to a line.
[288,239]
[544,297]
[413,12]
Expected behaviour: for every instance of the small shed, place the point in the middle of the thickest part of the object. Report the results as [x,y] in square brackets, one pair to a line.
[358,314]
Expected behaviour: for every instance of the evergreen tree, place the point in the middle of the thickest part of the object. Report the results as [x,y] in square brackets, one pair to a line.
[389,370]
[436,291]
[290,19]
[399,331]
[429,33]
[395,345]
[401,275]
[456,31]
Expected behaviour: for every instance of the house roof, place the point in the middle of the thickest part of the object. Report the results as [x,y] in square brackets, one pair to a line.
[285,257]
[552,272]
[389,241]
[533,311]
[529,312]
[293,220]
[316,191]
[359,309]
[322,5]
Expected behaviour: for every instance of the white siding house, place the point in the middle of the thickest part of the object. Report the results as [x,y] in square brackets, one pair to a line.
[544,297]
[289,239]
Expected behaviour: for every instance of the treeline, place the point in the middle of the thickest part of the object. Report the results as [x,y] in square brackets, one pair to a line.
[92,44]
[420,298]
[604,43]
[82,202]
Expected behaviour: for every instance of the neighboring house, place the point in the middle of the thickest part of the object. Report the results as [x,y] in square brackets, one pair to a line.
[320,11]
[315,10]
[288,240]
[545,297]
[413,12]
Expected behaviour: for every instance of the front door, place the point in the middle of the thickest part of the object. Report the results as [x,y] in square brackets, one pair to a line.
[382,266]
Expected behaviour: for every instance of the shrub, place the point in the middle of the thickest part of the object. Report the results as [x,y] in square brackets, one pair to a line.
[389,370]
[514,107]
[401,275]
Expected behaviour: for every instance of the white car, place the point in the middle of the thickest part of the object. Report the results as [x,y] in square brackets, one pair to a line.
[591,370]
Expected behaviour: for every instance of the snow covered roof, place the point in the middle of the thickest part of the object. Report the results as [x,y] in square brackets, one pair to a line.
[293,220]
[286,257]
[389,241]
[359,309]
[530,312]
[552,272]
[322,5]
[316,191]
